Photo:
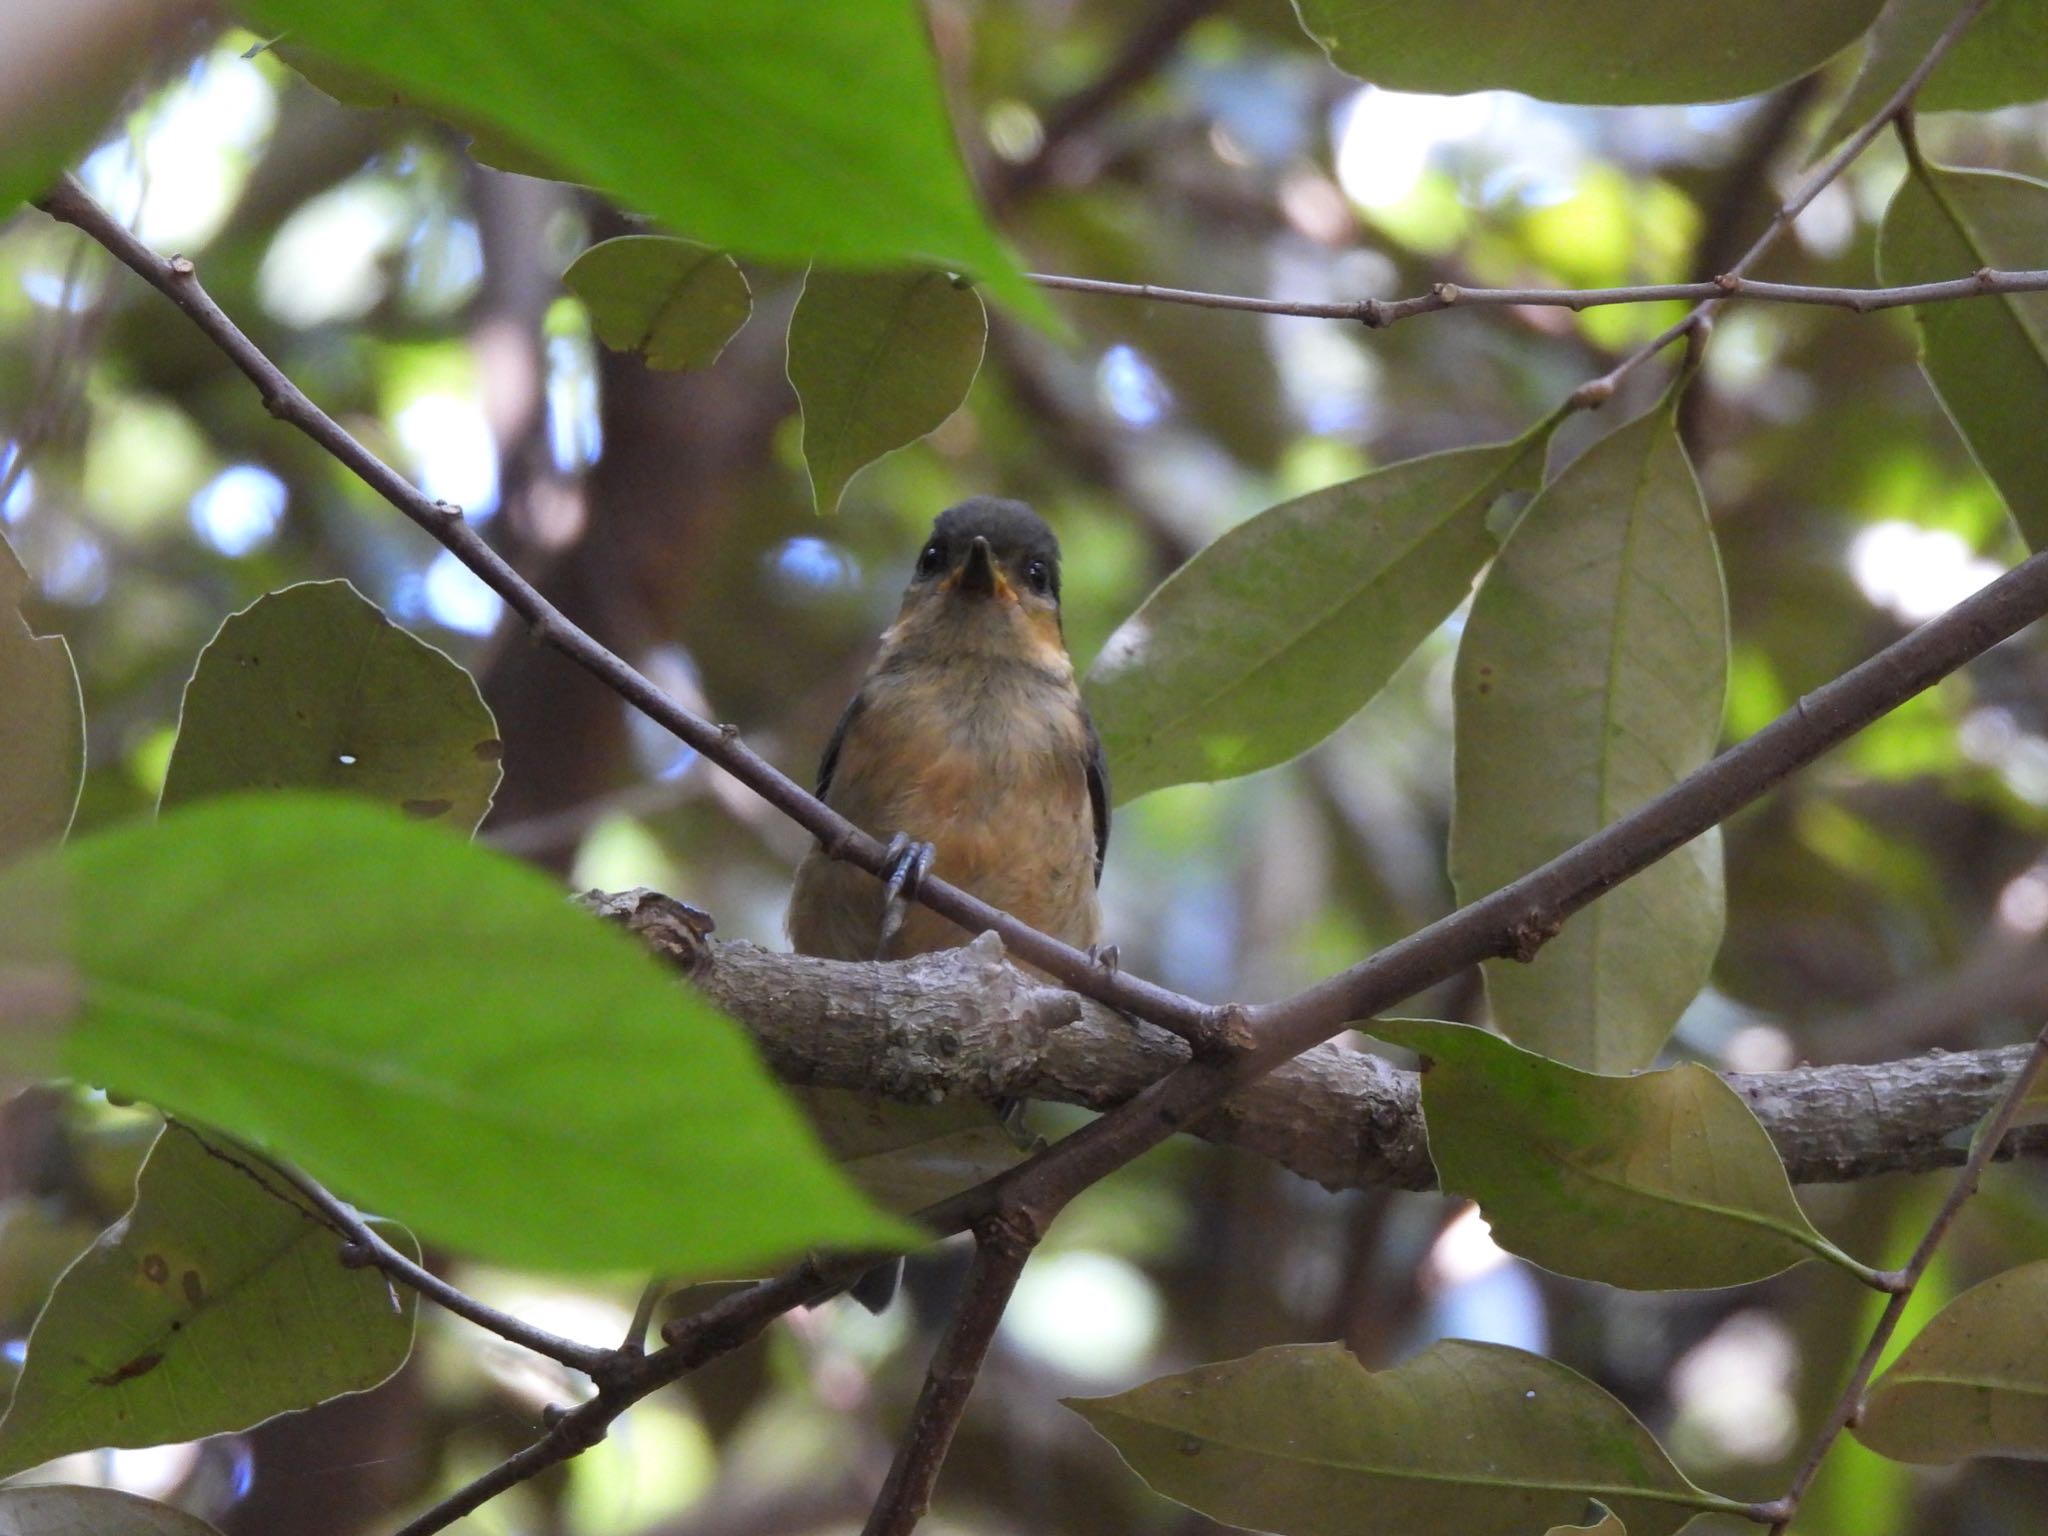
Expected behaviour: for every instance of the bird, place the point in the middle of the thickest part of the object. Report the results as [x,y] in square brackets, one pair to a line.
[967,746]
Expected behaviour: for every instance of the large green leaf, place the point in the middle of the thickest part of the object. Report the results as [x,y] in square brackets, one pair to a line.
[42,724]
[1975,1380]
[217,1302]
[54,1509]
[779,129]
[314,688]
[878,359]
[1589,680]
[1473,1438]
[1602,52]
[1987,358]
[1279,632]
[2001,60]
[431,1030]
[675,302]
[1655,1182]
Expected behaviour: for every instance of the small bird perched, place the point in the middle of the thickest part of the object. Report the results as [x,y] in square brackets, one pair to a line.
[968,745]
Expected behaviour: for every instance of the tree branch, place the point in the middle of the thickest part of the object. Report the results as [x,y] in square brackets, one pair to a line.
[1905,1281]
[963,1021]
[1377,314]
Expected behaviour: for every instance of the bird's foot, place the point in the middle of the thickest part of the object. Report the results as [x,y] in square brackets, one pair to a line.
[908,862]
[1106,956]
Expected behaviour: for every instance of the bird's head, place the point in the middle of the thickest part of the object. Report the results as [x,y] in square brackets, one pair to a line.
[987,580]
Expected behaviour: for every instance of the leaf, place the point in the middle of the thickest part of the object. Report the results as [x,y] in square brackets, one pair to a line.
[782,130]
[1589,680]
[217,1302]
[42,724]
[1282,629]
[1599,52]
[1987,358]
[432,1031]
[1654,1182]
[1474,1438]
[314,688]
[2000,61]
[1974,1382]
[907,1156]
[877,361]
[674,302]
[54,1509]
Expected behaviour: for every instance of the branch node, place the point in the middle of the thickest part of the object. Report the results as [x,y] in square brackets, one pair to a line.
[1592,394]
[1527,936]
[355,1255]
[727,731]
[1371,314]
[1728,282]
[449,510]
[1224,1031]
[181,266]
[1986,278]
[1446,294]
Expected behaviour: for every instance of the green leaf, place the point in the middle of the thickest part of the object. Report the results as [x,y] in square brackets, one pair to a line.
[1654,1182]
[782,129]
[54,1509]
[217,1302]
[1973,1383]
[2000,61]
[1589,680]
[1600,52]
[1282,629]
[42,724]
[877,361]
[674,302]
[314,688]
[907,1156]
[1987,358]
[1473,1438]
[432,1031]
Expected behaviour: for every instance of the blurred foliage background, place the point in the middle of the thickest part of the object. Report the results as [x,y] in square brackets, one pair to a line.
[1891,900]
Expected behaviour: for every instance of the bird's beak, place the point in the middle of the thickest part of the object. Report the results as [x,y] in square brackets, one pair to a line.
[978,576]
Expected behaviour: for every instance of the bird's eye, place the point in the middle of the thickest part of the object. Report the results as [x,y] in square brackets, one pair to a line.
[1039,574]
[929,562]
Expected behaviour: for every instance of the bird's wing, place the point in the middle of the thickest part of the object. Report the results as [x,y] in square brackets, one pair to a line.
[830,760]
[1098,794]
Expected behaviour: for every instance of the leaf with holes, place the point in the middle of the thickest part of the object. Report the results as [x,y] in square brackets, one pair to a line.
[781,129]
[42,723]
[217,1302]
[673,301]
[1599,52]
[1473,1438]
[1987,358]
[1590,680]
[1282,629]
[1654,1182]
[430,1030]
[1974,1382]
[877,361]
[55,1509]
[314,688]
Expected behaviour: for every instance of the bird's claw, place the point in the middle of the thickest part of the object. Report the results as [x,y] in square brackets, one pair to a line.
[1106,956]
[907,862]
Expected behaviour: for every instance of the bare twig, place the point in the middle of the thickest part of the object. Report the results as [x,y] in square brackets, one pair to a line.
[371,1248]
[1598,391]
[1377,314]
[1002,1245]
[1903,1282]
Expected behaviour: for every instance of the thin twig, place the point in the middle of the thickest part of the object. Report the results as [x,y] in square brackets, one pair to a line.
[1598,391]
[1002,1245]
[1377,314]
[371,1248]
[1903,1283]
